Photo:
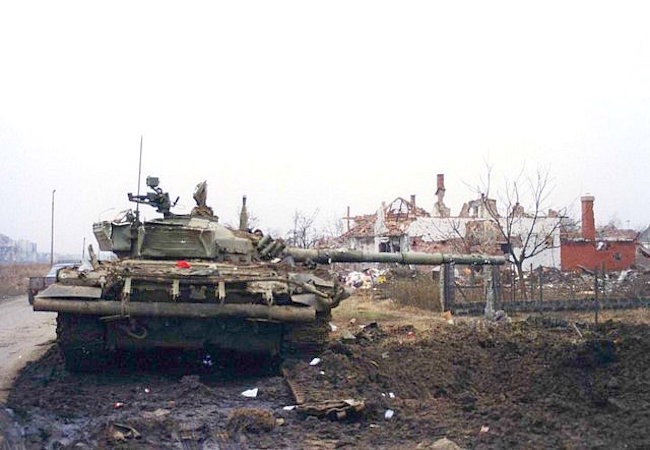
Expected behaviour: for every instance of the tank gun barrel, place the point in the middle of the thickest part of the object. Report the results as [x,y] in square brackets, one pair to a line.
[326,256]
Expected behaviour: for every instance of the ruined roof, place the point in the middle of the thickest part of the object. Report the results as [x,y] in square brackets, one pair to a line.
[606,233]
[644,236]
[398,215]
[611,233]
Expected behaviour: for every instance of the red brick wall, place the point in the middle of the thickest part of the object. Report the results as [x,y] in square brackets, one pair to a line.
[618,255]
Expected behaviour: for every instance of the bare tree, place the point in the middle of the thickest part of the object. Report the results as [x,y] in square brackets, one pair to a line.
[304,233]
[525,224]
[333,228]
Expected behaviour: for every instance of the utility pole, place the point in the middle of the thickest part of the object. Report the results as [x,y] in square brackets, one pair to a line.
[52,232]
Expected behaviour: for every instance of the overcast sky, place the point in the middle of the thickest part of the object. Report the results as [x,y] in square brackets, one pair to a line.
[305,105]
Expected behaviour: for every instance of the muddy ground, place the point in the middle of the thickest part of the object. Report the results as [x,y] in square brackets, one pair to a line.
[536,383]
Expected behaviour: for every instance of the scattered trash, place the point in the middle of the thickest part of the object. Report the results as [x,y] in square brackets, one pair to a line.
[391,395]
[252,420]
[353,321]
[373,425]
[501,316]
[447,316]
[333,327]
[118,405]
[333,409]
[365,279]
[289,408]
[127,431]
[160,412]
[183,264]
[322,372]
[207,361]
[250,393]
[575,327]
[314,362]
[445,444]
[485,429]
[384,355]
[147,390]
[347,336]
[383,395]
[411,334]
[389,414]
[279,422]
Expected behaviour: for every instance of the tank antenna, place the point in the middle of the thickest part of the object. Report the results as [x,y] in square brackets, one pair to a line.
[137,205]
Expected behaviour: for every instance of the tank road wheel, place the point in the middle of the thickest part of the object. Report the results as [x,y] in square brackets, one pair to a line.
[306,340]
[81,340]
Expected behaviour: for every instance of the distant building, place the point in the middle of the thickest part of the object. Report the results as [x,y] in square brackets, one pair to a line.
[20,251]
[609,247]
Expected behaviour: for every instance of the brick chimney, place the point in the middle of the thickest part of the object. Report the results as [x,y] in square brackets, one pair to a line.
[588,224]
[441,183]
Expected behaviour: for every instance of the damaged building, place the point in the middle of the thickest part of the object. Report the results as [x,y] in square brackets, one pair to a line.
[608,247]
[402,225]
[384,231]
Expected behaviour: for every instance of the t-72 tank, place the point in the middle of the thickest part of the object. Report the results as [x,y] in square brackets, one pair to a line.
[188,282]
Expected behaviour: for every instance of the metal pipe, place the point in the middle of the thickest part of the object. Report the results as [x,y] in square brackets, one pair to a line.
[417,258]
[186,310]
[52,232]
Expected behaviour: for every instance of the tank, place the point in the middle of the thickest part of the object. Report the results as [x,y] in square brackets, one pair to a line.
[189,282]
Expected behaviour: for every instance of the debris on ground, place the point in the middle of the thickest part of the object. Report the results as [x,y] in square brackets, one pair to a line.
[444,444]
[250,393]
[524,380]
[251,420]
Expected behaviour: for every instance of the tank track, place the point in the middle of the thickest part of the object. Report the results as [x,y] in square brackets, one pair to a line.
[306,340]
[81,341]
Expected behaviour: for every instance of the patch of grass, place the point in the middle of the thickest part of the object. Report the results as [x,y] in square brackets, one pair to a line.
[14,278]
[420,292]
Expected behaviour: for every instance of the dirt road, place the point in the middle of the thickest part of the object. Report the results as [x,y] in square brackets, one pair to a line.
[24,336]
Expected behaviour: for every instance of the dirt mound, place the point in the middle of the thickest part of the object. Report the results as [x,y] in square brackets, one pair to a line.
[482,385]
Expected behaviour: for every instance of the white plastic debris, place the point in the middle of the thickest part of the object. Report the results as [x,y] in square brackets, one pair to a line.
[383,395]
[389,414]
[322,372]
[314,362]
[485,429]
[333,327]
[391,395]
[289,408]
[250,393]
[147,390]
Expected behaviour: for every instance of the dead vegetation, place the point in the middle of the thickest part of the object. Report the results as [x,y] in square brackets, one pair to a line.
[409,288]
[15,277]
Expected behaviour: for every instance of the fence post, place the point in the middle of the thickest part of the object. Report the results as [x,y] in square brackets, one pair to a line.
[596,304]
[513,292]
[541,284]
[532,282]
[496,287]
[448,290]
